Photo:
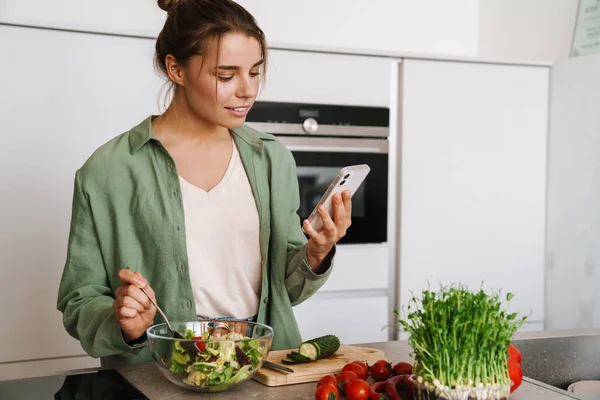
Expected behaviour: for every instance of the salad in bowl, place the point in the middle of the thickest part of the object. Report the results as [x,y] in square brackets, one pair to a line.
[215,354]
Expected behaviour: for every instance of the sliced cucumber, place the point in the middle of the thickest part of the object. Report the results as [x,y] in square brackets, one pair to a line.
[310,350]
[320,347]
[295,356]
[314,349]
[290,362]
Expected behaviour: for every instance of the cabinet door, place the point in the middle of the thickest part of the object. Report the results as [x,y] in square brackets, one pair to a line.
[78,82]
[359,267]
[573,253]
[473,178]
[352,319]
[304,77]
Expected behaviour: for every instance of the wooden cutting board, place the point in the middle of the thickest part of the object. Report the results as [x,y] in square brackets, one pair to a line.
[313,371]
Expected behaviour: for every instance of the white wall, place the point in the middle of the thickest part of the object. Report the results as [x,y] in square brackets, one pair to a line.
[526,29]
[425,26]
[573,239]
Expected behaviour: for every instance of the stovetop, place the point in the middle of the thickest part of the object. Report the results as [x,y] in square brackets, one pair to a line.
[97,385]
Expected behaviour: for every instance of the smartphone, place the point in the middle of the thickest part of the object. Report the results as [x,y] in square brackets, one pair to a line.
[349,178]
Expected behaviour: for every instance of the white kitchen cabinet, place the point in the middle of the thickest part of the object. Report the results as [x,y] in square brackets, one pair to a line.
[359,267]
[305,77]
[357,292]
[352,319]
[82,99]
[573,250]
[473,178]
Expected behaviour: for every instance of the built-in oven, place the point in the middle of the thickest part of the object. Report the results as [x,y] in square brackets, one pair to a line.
[325,138]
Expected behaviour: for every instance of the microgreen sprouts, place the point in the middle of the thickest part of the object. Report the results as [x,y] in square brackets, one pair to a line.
[460,337]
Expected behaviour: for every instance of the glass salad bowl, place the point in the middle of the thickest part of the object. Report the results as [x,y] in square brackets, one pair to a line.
[215,356]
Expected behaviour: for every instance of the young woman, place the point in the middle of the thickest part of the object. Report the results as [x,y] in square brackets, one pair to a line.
[192,205]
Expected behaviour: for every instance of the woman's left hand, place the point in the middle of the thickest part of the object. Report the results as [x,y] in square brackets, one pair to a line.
[321,242]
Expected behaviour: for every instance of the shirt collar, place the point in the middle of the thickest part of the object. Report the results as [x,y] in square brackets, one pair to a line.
[142,134]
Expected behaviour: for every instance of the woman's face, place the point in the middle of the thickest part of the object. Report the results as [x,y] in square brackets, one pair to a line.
[222,91]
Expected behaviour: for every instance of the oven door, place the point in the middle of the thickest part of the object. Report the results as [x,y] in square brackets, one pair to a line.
[318,161]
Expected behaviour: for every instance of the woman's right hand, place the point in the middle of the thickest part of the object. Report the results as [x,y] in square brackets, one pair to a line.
[133,311]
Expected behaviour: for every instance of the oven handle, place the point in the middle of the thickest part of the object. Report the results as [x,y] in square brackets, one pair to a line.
[321,130]
[335,145]
[331,149]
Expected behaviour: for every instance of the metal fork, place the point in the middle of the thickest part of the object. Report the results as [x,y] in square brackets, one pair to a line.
[188,346]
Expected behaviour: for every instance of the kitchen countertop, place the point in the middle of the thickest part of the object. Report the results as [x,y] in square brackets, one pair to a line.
[556,358]
[150,381]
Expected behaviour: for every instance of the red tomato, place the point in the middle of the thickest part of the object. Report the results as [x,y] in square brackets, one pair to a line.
[514,353]
[344,378]
[515,373]
[327,392]
[358,389]
[381,370]
[199,345]
[402,368]
[357,369]
[365,367]
[327,380]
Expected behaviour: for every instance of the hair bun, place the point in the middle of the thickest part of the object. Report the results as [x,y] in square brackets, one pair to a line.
[167,5]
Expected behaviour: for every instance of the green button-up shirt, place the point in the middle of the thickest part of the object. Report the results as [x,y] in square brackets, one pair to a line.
[127,212]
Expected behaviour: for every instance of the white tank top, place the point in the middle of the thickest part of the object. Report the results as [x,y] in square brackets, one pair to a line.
[222,239]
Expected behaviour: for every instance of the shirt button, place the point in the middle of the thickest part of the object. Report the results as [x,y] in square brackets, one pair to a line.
[266,300]
[175,193]
[188,304]
[177,228]
[182,267]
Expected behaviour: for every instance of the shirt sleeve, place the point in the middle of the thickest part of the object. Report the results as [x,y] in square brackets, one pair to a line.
[85,297]
[301,281]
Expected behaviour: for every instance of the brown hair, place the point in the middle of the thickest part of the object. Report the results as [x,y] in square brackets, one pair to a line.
[191,24]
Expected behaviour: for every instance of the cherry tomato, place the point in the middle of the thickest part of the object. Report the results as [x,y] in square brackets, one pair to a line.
[514,353]
[402,368]
[344,378]
[381,370]
[199,345]
[357,369]
[327,392]
[515,373]
[358,389]
[327,380]
[365,366]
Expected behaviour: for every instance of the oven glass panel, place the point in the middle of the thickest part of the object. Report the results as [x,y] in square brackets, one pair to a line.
[316,170]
